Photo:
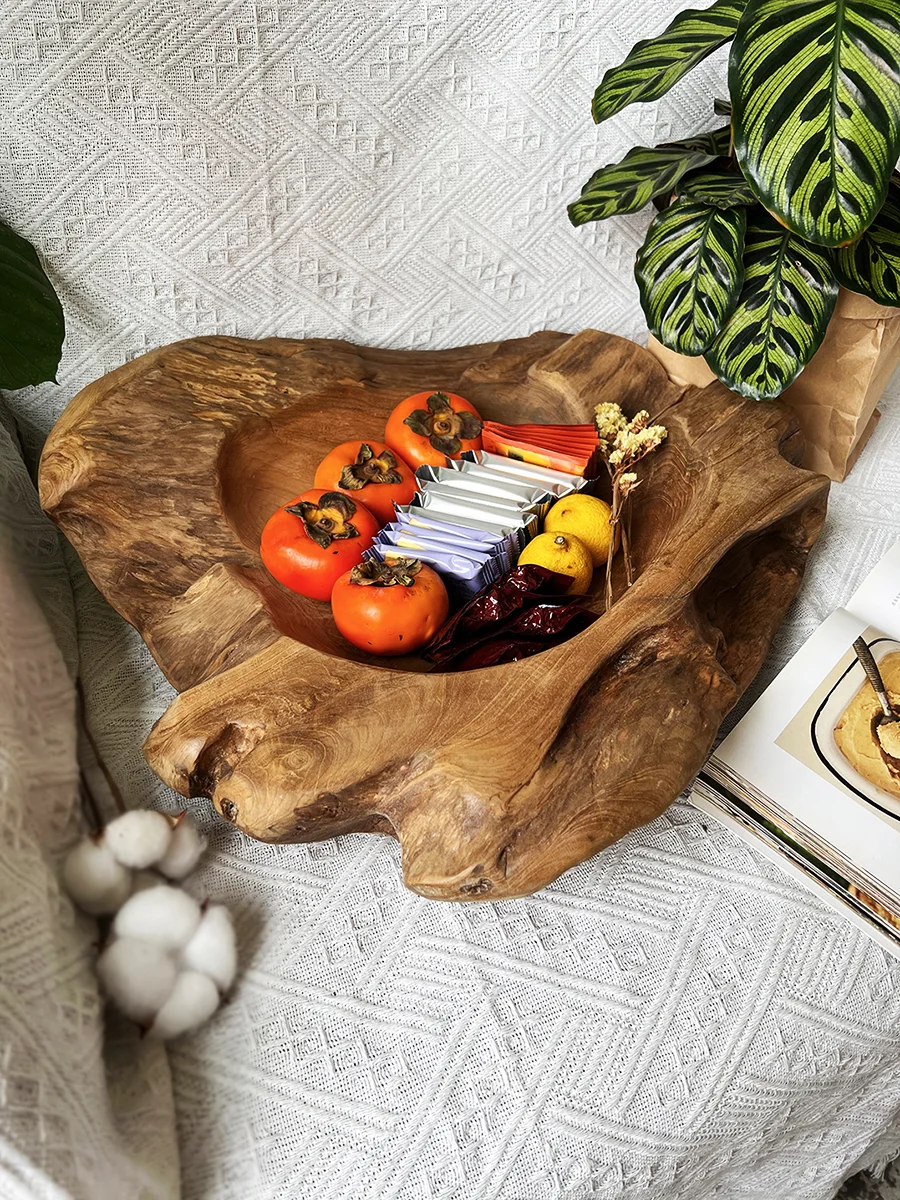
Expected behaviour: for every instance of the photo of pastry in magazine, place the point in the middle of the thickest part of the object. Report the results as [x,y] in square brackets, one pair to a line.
[840,733]
[811,774]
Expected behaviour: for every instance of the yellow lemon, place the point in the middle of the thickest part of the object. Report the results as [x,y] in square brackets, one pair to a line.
[587,518]
[562,553]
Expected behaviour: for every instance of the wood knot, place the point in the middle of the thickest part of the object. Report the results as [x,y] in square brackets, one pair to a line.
[325,809]
[229,810]
[476,888]
[219,757]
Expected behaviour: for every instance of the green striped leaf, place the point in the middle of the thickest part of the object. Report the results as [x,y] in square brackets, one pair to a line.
[814,84]
[689,273]
[778,324]
[721,189]
[871,265]
[644,172]
[722,108]
[31,316]
[654,66]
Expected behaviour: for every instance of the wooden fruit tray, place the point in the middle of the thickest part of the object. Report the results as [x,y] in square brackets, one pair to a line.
[495,781]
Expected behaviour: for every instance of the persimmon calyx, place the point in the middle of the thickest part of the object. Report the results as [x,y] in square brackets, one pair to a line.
[444,426]
[370,468]
[374,573]
[326,520]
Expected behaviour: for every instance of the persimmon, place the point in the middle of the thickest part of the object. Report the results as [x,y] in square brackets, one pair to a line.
[393,607]
[430,427]
[368,471]
[311,542]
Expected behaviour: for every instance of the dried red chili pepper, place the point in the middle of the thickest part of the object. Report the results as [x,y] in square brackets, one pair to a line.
[520,614]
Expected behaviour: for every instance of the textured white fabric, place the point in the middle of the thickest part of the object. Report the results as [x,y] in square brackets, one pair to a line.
[70,1124]
[672,1020]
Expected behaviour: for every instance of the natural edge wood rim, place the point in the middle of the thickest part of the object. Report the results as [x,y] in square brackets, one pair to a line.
[493,781]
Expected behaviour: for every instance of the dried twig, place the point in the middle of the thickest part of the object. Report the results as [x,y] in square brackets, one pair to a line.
[110,782]
[623,443]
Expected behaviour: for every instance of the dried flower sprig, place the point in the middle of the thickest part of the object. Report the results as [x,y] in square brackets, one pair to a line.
[622,444]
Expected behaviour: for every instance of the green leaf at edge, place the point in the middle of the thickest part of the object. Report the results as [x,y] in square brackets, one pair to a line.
[781,316]
[817,110]
[654,66]
[689,273]
[721,189]
[871,265]
[32,327]
[644,172]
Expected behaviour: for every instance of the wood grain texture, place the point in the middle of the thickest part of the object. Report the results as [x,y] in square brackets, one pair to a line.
[163,473]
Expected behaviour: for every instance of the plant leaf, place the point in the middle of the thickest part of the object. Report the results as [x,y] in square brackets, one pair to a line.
[814,84]
[689,273]
[722,108]
[781,316]
[644,172]
[652,67]
[31,316]
[871,265]
[721,189]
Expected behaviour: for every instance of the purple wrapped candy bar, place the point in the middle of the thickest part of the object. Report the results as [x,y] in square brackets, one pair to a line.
[462,562]
[416,520]
[439,537]
[458,537]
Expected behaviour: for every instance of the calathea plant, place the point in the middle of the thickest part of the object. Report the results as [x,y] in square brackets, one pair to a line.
[763,218]
[31,316]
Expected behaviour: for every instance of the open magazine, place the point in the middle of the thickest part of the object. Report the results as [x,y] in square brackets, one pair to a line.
[811,774]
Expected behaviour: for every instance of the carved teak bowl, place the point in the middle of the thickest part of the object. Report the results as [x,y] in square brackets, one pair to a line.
[495,781]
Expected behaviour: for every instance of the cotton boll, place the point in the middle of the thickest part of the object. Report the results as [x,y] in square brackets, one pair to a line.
[185,848]
[192,1001]
[139,838]
[165,916]
[137,976]
[96,882]
[212,949]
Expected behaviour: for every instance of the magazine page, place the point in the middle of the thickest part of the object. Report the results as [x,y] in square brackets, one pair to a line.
[817,877]
[811,741]
[877,599]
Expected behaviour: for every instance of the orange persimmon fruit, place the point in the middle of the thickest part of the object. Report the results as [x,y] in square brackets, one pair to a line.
[430,427]
[393,607]
[310,542]
[370,472]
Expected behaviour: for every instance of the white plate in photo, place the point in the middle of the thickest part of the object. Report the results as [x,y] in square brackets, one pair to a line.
[830,711]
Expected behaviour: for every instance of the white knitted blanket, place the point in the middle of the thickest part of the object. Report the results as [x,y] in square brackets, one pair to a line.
[674,1020]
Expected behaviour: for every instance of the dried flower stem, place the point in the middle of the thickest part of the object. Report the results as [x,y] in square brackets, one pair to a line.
[626,547]
[620,521]
[622,444]
[613,523]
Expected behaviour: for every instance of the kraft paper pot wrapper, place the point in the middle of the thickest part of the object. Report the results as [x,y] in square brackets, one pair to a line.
[835,396]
